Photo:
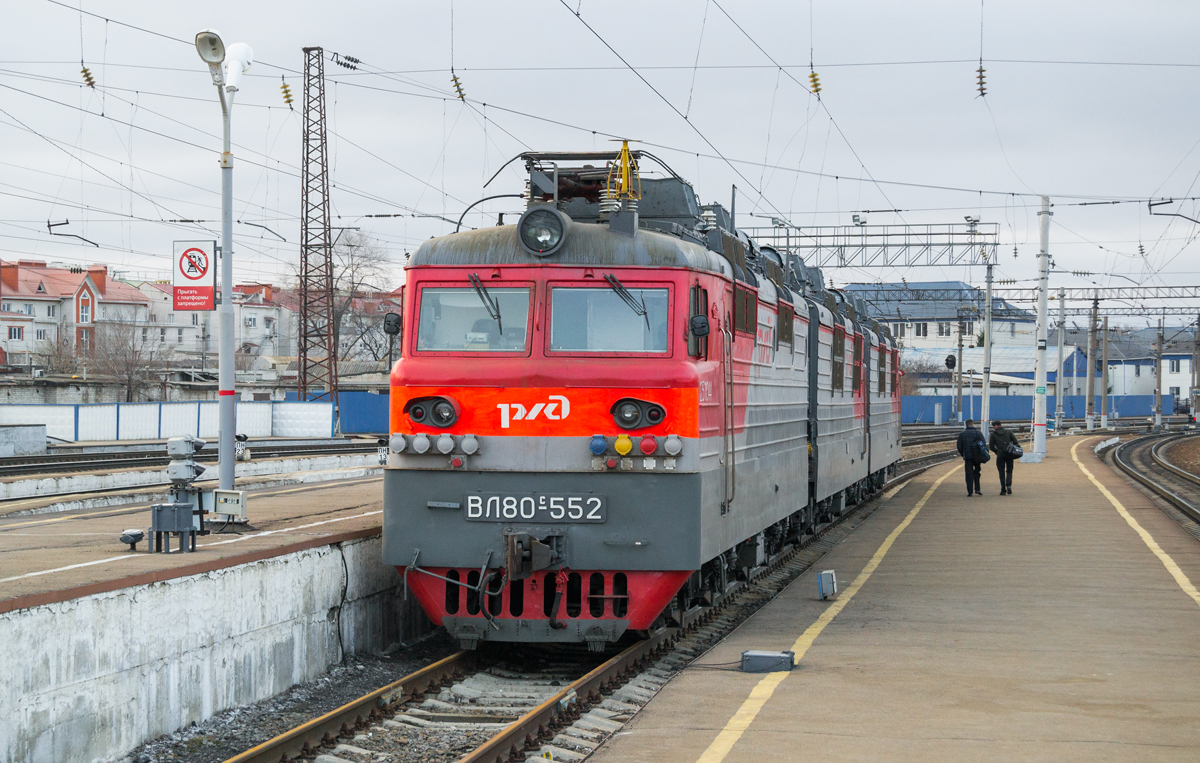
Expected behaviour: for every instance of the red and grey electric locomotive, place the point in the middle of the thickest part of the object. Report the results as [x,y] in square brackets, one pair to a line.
[607,413]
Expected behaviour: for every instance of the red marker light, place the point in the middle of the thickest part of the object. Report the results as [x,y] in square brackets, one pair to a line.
[611,463]
[649,445]
[456,462]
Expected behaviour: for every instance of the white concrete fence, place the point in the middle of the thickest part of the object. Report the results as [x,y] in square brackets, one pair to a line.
[155,421]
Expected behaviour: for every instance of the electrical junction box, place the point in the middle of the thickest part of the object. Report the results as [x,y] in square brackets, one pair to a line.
[768,662]
[827,584]
[230,504]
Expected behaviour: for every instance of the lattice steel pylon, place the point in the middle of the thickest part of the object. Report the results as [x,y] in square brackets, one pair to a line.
[317,354]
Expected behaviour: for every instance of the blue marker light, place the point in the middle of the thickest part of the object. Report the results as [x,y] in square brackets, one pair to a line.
[598,445]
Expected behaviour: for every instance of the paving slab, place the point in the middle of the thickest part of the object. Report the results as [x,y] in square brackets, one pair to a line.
[1039,626]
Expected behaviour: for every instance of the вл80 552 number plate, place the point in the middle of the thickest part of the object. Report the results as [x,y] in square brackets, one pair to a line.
[506,507]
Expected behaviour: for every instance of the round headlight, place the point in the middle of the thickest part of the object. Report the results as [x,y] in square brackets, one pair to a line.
[443,414]
[628,415]
[542,230]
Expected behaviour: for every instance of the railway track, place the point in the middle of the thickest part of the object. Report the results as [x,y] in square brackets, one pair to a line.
[521,704]
[88,462]
[1142,459]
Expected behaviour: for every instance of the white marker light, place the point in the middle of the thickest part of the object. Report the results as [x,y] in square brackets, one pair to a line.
[421,443]
[674,445]
[469,444]
[397,443]
[445,444]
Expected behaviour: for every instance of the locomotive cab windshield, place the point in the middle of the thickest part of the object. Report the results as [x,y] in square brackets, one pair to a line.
[466,319]
[599,319]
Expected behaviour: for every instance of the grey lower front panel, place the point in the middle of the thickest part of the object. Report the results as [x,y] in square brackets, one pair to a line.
[653,520]
[476,629]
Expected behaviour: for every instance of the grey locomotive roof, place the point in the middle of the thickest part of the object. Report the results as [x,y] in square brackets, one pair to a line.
[586,245]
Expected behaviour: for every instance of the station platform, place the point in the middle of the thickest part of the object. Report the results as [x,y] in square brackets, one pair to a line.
[47,558]
[1061,623]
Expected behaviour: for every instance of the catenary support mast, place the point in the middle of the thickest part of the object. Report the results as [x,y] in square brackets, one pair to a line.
[317,354]
[1039,407]
[1060,390]
[1090,390]
[1104,375]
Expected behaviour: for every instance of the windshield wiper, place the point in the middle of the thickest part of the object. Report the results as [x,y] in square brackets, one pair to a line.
[627,298]
[489,304]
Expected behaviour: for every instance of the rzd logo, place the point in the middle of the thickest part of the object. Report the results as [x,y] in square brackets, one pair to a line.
[517,412]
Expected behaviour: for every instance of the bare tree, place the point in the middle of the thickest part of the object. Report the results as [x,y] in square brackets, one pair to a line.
[362,277]
[361,272]
[912,371]
[123,350]
[57,355]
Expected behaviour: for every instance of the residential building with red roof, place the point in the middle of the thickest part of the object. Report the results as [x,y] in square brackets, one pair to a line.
[64,303]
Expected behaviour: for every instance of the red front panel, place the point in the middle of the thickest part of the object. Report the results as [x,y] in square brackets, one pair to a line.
[638,597]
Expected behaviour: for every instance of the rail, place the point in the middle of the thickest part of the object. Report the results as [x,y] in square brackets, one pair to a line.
[304,740]
[1125,454]
[84,462]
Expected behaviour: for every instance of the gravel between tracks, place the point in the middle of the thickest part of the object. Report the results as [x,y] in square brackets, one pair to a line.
[928,449]
[233,731]
[1186,455]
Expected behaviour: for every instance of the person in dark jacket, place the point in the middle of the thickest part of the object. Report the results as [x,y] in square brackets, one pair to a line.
[999,443]
[969,442]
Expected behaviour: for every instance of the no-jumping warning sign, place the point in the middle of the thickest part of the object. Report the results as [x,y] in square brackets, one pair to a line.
[195,275]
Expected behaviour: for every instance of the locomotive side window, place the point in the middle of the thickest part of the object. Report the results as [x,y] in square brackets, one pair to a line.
[787,315]
[839,357]
[858,371]
[697,305]
[493,319]
[882,385]
[601,320]
[745,310]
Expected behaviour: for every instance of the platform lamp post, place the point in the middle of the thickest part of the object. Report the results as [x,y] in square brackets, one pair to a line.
[227,67]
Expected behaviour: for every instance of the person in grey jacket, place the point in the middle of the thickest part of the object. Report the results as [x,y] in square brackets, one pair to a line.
[999,443]
[970,440]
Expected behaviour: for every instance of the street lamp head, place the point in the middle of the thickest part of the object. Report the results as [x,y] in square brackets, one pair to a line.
[239,60]
[210,47]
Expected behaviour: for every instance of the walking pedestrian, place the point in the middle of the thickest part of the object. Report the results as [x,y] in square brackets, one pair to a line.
[1004,444]
[973,450]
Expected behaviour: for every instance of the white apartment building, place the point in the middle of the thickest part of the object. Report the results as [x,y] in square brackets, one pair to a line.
[263,326]
[930,324]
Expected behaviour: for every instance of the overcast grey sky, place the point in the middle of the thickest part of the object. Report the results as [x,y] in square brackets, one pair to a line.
[1067,114]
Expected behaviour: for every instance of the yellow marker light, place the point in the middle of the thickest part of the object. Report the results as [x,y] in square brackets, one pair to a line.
[623,445]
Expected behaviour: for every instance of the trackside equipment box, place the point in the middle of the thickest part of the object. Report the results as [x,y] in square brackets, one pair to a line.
[767,662]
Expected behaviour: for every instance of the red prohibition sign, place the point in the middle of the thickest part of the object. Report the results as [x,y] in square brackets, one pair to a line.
[193,264]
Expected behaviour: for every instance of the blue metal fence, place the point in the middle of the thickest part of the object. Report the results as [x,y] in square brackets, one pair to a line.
[918,409]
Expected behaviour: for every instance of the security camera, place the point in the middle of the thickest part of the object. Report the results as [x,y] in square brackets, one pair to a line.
[240,58]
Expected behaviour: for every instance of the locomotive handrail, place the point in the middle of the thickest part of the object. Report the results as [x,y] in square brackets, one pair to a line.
[730,440]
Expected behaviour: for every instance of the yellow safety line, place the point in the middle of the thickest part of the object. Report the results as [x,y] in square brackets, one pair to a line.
[1147,538]
[762,691]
